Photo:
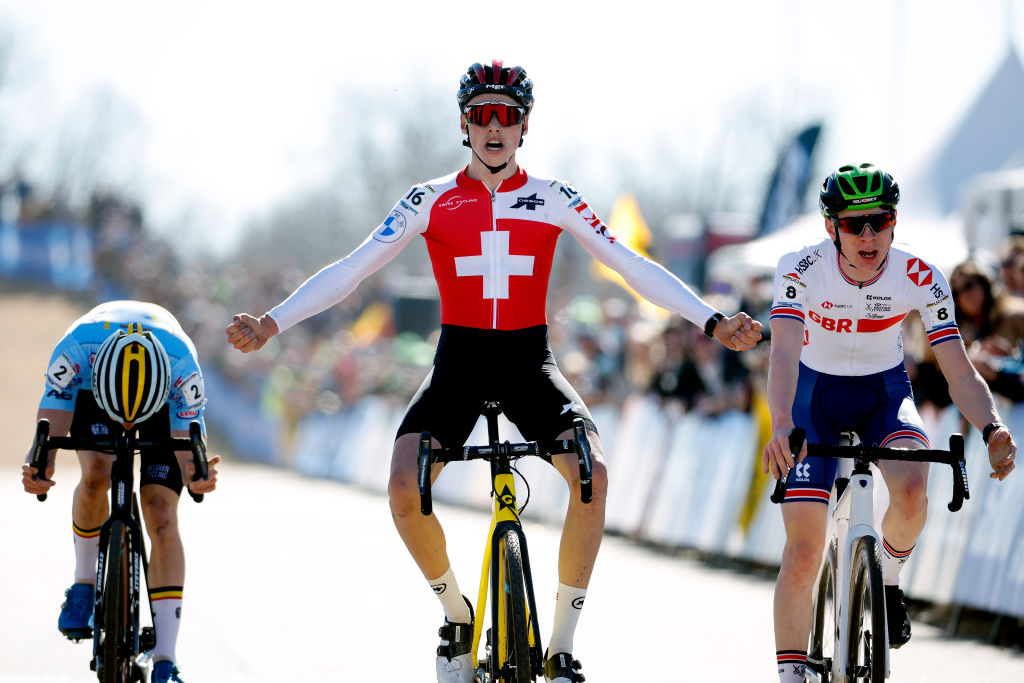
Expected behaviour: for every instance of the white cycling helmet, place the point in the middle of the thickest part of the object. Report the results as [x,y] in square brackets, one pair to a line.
[131,375]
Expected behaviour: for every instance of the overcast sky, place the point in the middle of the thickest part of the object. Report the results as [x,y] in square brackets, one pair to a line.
[232,102]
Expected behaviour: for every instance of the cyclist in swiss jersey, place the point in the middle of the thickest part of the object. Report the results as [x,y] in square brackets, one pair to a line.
[490,230]
[837,364]
[126,365]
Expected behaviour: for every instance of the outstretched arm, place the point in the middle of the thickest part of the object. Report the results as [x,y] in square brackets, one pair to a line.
[971,395]
[655,283]
[324,289]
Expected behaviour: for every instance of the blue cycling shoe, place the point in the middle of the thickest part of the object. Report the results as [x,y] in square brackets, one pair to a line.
[76,614]
[164,671]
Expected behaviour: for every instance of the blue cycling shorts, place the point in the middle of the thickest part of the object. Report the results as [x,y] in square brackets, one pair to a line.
[878,407]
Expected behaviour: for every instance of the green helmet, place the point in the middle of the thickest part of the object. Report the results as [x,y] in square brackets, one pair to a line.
[857,187]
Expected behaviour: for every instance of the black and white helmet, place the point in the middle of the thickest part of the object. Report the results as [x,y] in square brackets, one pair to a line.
[131,375]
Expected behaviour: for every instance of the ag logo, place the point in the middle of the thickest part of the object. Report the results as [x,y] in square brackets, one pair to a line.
[803,470]
[439,587]
[578,603]
[391,229]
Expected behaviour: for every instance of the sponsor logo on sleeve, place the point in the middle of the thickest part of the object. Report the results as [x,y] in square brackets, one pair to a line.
[807,261]
[591,218]
[392,229]
[919,272]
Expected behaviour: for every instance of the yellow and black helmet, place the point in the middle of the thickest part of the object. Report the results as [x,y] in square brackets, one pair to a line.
[131,375]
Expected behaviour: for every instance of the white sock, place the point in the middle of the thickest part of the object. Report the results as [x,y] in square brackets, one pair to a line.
[568,604]
[791,665]
[87,552]
[892,563]
[166,603]
[446,588]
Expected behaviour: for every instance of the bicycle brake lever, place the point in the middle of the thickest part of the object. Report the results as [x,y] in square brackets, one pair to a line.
[195,435]
[796,442]
[426,505]
[585,460]
[39,454]
[959,466]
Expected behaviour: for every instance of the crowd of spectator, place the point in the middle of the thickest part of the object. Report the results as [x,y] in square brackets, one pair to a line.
[607,344]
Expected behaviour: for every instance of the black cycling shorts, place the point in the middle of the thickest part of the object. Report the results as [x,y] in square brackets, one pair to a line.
[514,367]
[158,465]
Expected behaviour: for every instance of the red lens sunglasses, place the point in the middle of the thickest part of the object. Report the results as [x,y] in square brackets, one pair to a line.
[855,225]
[508,114]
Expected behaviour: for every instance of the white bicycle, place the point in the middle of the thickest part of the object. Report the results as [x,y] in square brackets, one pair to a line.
[848,639]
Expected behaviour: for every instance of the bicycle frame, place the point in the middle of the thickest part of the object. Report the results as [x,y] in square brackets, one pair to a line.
[852,519]
[504,518]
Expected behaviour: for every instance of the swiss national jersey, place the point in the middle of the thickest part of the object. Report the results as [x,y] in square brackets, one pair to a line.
[491,253]
[853,328]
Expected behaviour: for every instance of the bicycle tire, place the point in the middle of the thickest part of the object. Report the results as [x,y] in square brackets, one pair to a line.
[866,646]
[824,626]
[115,665]
[512,654]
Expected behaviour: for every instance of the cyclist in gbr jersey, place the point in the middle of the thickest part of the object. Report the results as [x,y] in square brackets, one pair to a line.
[490,231]
[837,363]
[83,396]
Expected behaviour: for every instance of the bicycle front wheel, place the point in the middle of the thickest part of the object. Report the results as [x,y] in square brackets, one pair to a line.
[512,654]
[866,639]
[114,665]
[824,627]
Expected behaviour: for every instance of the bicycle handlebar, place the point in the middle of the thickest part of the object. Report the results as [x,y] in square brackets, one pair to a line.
[954,457]
[579,445]
[44,443]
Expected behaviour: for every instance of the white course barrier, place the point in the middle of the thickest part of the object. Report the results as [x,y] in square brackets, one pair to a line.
[682,480]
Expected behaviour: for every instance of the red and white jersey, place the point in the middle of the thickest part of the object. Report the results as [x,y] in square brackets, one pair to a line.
[853,328]
[491,253]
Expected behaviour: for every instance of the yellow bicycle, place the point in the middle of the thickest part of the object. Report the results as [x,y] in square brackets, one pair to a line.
[513,648]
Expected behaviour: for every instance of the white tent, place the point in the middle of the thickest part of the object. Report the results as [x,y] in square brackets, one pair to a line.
[939,241]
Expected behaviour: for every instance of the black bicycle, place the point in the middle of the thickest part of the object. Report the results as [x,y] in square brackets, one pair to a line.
[119,640]
[514,650]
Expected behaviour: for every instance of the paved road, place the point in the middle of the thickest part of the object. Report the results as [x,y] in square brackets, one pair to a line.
[291,579]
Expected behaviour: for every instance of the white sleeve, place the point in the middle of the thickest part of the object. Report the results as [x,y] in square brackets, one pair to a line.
[649,279]
[335,282]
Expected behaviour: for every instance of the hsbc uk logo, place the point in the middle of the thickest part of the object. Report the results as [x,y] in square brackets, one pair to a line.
[918,272]
[529,203]
[802,470]
[827,305]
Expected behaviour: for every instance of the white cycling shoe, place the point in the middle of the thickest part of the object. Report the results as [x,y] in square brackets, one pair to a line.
[454,659]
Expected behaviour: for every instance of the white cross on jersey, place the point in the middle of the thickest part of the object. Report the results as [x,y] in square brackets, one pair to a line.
[495,264]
